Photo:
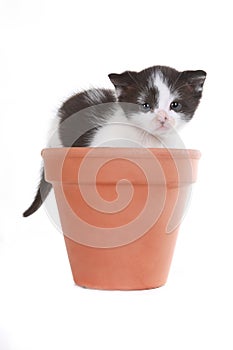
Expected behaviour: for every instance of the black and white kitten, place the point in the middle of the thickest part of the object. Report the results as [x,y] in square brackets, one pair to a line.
[146,109]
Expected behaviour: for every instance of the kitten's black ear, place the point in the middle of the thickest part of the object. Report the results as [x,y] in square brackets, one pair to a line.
[195,80]
[125,79]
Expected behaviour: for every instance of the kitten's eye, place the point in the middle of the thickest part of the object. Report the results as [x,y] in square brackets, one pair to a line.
[146,107]
[176,106]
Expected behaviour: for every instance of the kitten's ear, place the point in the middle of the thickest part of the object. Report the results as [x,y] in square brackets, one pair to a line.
[125,79]
[195,80]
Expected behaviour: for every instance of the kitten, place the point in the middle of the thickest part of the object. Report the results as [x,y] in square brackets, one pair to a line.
[145,110]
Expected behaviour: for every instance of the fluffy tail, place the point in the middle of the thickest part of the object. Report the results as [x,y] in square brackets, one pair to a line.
[42,193]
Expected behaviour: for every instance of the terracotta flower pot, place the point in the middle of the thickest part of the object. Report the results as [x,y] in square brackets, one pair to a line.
[120,211]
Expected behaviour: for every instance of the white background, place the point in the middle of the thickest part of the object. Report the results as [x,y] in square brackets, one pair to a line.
[50,49]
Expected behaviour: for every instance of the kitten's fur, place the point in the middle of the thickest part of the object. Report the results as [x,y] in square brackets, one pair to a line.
[145,110]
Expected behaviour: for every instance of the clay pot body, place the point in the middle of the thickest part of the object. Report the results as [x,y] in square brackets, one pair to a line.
[120,211]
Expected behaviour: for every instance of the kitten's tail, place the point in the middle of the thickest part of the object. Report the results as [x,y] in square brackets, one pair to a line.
[42,193]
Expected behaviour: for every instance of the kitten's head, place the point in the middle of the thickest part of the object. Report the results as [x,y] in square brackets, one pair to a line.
[162,97]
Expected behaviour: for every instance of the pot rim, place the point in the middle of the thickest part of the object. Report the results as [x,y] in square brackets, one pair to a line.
[161,153]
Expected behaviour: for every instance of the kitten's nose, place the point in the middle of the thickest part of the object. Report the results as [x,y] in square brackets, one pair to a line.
[162,116]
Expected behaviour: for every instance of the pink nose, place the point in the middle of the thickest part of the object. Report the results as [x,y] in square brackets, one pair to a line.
[162,116]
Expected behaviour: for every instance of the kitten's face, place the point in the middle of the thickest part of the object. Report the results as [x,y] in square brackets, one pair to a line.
[163,98]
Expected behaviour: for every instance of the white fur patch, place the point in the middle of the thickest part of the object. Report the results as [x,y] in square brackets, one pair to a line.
[120,134]
[134,132]
[165,95]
